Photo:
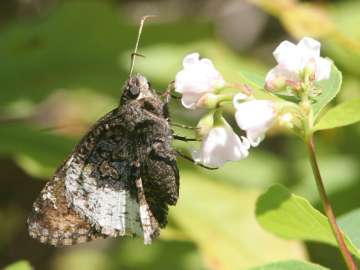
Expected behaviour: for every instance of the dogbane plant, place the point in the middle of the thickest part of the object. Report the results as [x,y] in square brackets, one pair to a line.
[301,84]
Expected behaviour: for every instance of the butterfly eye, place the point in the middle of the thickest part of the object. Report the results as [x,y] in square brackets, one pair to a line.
[134,91]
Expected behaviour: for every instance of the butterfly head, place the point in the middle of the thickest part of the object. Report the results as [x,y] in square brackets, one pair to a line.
[136,87]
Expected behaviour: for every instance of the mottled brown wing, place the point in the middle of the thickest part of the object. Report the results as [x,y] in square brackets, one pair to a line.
[89,195]
[100,178]
[52,221]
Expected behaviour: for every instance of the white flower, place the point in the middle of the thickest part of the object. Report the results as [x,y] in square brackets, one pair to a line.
[293,60]
[220,145]
[254,116]
[197,78]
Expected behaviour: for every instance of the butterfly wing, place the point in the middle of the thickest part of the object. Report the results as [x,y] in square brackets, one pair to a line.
[93,192]
[119,180]
[159,172]
[100,179]
[52,221]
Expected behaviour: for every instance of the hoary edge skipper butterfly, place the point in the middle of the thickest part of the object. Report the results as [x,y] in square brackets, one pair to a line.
[119,180]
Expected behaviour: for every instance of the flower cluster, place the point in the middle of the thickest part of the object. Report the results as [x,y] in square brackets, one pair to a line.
[203,86]
[198,82]
[296,64]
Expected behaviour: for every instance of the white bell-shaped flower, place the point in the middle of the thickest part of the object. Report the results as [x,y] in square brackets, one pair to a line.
[197,78]
[293,60]
[254,116]
[220,145]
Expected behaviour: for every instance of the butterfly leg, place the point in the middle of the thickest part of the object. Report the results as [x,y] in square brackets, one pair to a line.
[185,139]
[193,161]
[167,93]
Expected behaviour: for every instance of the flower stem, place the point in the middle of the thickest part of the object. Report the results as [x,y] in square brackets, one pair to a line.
[350,263]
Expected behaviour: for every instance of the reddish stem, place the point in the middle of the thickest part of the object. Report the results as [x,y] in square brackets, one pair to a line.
[350,263]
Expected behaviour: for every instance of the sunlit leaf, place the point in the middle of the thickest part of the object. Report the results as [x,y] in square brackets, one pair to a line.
[290,265]
[292,217]
[330,88]
[219,218]
[20,265]
[350,223]
[344,114]
[307,20]
[132,254]
[82,258]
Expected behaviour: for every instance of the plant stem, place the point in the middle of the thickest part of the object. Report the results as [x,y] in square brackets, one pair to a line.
[327,207]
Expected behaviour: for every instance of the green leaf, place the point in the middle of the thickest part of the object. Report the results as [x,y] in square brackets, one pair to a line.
[133,254]
[350,224]
[290,265]
[77,45]
[331,165]
[330,88]
[292,217]
[344,114]
[219,218]
[252,79]
[246,172]
[19,265]
[226,61]
[37,151]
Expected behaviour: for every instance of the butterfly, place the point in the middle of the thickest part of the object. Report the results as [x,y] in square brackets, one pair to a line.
[119,180]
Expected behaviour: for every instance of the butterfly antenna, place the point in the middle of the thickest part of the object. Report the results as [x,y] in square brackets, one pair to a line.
[135,53]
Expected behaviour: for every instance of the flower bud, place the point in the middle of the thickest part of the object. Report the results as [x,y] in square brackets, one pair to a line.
[276,84]
[205,124]
[208,101]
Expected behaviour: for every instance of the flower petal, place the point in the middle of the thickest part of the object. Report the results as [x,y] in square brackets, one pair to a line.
[323,69]
[189,101]
[309,47]
[277,78]
[284,51]
[295,62]
[255,117]
[219,146]
[198,77]
[190,59]
[254,113]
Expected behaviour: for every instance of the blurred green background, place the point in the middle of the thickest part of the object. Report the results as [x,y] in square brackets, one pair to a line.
[62,66]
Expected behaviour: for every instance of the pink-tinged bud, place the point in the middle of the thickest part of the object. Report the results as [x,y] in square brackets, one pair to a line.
[276,84]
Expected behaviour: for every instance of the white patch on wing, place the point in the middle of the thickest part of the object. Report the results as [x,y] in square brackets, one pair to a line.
[109,207]
[149,223]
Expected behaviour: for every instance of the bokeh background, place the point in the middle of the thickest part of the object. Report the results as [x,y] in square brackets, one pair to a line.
[62,66]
